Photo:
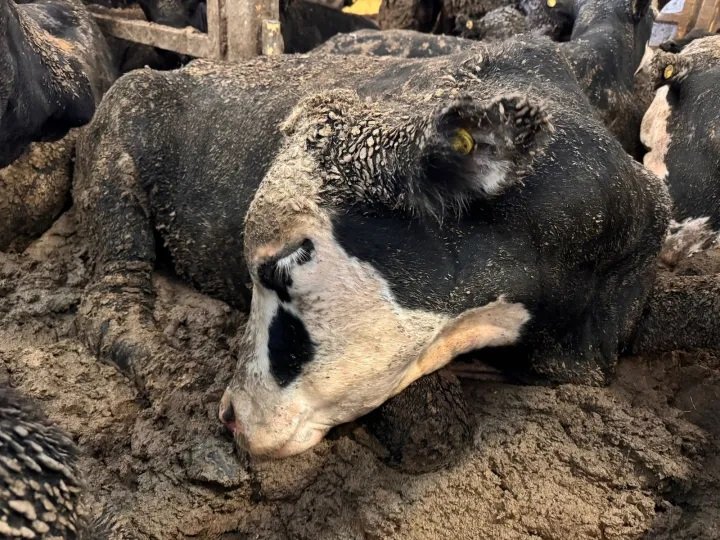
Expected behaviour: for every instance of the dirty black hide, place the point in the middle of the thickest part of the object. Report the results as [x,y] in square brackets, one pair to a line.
[55,67]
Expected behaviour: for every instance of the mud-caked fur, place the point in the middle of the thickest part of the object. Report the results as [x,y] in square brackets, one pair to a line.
[55,66]
[602,41]
[400,43]
[330,185]
[41,485]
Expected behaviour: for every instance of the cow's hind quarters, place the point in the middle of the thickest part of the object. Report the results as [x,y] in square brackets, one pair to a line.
[425,428]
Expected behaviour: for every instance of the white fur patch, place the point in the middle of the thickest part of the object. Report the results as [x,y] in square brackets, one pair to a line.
[686,238]
[367,347]
[495,180]
[654,133]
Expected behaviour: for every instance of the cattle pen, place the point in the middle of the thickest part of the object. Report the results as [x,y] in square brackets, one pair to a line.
[240,29]
[360,269]
[237,30]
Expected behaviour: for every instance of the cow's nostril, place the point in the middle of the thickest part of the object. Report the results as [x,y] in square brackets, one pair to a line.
[227,414]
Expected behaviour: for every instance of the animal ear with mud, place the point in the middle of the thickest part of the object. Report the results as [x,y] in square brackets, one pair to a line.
[475,151]
[669,69]
[434,163]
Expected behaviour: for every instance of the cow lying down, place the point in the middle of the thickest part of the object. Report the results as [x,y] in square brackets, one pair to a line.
[603,42]
[681,130]
[376,216]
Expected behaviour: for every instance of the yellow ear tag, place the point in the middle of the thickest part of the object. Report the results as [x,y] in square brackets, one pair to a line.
[469,24]
[669,71]
[551,3]
[462,142]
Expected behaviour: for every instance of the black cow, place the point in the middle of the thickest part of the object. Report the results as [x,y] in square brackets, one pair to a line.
[437,16]
[400,43]
[389,214]
[304,24]
[606,44]
[55,66]
[681,130]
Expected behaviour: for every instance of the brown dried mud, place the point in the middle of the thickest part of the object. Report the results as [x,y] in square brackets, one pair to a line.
[638,459]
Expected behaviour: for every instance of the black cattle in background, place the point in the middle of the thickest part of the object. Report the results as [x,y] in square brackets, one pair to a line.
[304,24]
[604,44]
[55,66]
[681,131]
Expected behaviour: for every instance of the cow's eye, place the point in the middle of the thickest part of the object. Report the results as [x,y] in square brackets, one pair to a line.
[300,256]
[276,274]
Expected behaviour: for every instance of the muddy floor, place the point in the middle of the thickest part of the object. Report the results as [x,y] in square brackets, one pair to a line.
[636,460]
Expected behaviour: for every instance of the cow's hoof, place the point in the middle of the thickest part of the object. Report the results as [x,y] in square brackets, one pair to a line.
[426,427]
[123,334]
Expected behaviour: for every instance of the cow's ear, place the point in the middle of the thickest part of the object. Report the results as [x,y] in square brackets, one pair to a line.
[476,150]
[640,8]
[668,69]
[497,324]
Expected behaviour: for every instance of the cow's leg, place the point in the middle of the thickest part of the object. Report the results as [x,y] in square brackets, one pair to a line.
[425,427]
[115,316]
[682,312]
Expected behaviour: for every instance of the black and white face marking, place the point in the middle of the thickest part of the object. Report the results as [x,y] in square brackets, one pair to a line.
[327,339]
[275,273]
[340,346]
[680,130]
[289,346]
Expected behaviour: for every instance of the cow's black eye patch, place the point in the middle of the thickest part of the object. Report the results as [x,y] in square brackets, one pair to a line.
[289,347]
[305,252]
[274,275]
[272,278]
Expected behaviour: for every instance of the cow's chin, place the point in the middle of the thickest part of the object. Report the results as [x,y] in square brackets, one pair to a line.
[303,438]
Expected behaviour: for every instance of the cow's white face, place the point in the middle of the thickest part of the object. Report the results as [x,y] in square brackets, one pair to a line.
[326,340]
[330,347]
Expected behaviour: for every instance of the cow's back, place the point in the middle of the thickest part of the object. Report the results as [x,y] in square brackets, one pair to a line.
[204,137]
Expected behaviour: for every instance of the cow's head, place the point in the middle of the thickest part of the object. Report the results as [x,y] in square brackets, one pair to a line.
[680,128]
[326,340]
